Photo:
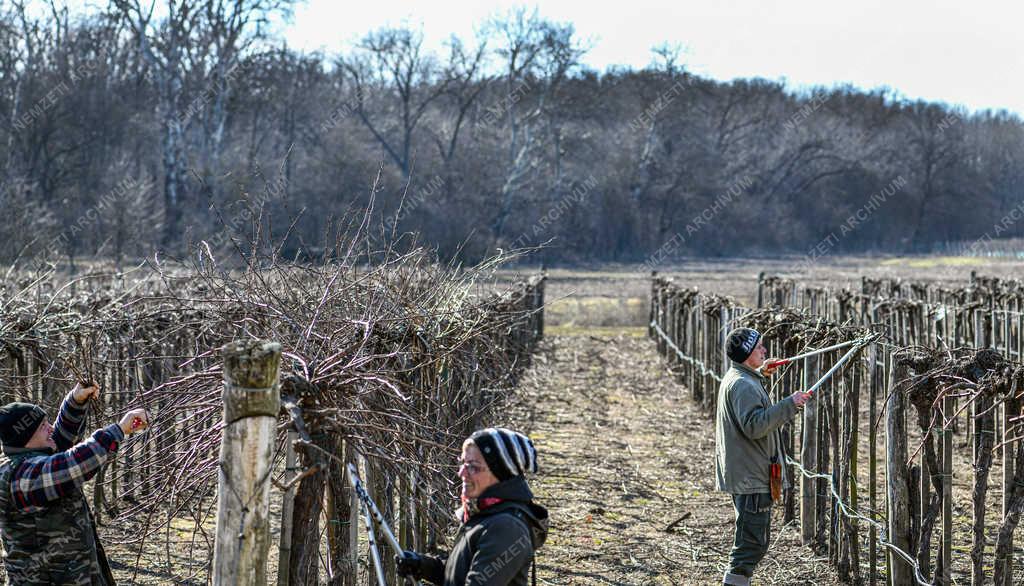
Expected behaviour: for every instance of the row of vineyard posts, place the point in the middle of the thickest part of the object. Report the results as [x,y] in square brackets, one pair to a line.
[147,347]
[967,414]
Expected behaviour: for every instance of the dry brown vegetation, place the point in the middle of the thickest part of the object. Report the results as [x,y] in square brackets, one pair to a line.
[624,451]
[390,364]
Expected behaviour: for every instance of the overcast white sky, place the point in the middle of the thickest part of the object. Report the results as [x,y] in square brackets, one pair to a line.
[959,52]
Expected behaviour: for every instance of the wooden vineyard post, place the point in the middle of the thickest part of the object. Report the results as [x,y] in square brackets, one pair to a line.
[251,404]
[723,332]
[407,510]
[984,432]
[948,410]
[341,541]
[691,351]
[705,359]
[378,485]
[788,383]
[897,476]
[663,293]
[984,438]
[809,450]
[700,322]
[1014,344]
[760,290]
[831,404]
[709,345]
[284,549]
[665,324]
[1007,452]
[851,414]
[808,454]
[1013,448]
[701,340]
[682,326]
[653,317]
[874,382]
[539,305]
[353,516]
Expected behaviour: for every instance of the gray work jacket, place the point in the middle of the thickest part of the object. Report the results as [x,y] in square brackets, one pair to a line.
[747,432]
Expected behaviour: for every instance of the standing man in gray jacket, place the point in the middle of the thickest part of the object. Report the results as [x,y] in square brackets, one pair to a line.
[747,444]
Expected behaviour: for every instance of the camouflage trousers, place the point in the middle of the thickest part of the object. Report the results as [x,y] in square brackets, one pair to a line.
[68,575]
[753,528]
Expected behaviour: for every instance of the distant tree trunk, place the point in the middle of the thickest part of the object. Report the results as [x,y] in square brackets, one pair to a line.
[174,179]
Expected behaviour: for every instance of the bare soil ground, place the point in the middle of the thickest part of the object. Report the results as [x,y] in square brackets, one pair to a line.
[589,312]
[624,454]
[617,295]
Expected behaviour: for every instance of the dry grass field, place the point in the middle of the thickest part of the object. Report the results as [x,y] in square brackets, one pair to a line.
[617,295]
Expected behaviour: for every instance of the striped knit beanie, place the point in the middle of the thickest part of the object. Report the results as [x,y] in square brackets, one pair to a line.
[507,453]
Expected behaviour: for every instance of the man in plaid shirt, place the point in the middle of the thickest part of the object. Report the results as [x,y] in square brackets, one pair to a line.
[47,530]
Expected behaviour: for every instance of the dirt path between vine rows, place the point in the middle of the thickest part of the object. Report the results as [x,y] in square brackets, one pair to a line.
[625,453]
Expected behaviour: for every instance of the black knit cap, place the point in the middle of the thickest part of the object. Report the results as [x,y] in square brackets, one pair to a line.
[507,453]
[740,343]
[18,422]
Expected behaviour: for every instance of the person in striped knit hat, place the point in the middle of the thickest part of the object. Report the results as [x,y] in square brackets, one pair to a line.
[501,527]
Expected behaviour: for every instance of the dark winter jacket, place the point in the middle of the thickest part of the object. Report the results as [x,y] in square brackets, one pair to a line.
[496,545]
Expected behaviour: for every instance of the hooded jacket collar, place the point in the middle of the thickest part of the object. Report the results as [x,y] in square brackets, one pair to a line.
[514,493]
[513,489]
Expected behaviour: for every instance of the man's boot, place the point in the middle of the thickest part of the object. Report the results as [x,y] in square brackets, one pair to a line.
[731,579]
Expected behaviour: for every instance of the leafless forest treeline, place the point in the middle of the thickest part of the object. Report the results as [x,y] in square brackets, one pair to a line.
[123,131]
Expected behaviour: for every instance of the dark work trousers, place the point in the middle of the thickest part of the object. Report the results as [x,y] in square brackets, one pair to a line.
[753,521]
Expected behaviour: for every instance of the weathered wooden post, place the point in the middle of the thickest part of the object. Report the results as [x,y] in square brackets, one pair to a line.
[251,404]
[984,439]
[1014,345]
[760,290]
[691,350]
[684,338]
[709,358]
[342,539]
[669,328]
[540,304]
[809,454]
[654,307]
[725,317]
[897,475]
[809,449]
[948,413]
[284,549]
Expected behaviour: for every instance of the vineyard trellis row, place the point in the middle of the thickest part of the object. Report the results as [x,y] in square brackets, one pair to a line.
[953,353]
[386,368]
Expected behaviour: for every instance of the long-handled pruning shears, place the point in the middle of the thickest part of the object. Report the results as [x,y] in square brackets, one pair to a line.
[857,345]
[370,514]
[863,341]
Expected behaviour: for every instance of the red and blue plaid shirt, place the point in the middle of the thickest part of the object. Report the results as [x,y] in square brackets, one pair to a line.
[45,477]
